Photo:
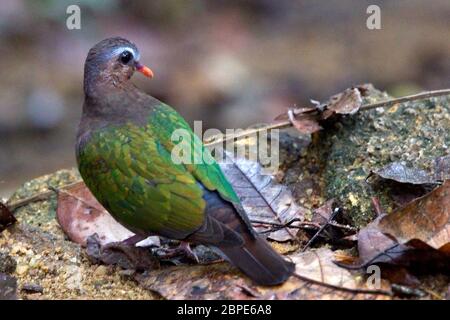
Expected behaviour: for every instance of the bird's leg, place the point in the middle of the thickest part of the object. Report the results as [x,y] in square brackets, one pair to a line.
[183,249]
[186,249]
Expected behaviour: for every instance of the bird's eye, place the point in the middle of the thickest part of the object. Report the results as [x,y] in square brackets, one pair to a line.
[125,57]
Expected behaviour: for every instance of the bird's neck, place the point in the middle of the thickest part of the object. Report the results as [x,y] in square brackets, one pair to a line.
[116,101]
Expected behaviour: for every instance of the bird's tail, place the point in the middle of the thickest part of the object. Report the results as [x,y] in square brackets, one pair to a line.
[259,261]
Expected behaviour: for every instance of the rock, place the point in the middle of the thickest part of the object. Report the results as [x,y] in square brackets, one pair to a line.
[7,263]
[74,277]
[8,287]
[22,269]
[32,288]
[101,271]
[415,132]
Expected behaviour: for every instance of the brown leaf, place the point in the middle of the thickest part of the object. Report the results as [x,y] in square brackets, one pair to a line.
[406,183]
[6,217]
[221,281]
[305,124]
[319,265]
[323,214]
[121,254]
[375,247]
[347,102]
[399,172]
[372,242]
[307,119]
[198,282]
[263,198]
[80,215]
[426,219]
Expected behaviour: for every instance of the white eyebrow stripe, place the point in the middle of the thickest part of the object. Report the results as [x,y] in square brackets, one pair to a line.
[119,50]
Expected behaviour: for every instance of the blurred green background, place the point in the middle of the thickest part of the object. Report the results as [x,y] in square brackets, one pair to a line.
[228,63]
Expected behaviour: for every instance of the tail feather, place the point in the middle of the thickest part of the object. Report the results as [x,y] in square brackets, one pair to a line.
[259,261]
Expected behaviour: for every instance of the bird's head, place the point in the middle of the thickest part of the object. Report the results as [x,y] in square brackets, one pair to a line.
[113,59]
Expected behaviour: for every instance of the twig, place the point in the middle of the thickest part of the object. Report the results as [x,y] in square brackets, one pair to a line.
[287,123]
[220,139]
[42,196]
[303,225]
[413,97]
[335,287]
[333,215]
[377,206]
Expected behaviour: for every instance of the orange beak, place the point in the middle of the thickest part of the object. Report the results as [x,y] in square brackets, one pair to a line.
[146,71]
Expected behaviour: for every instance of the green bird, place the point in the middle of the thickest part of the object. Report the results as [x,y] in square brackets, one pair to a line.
[124,154]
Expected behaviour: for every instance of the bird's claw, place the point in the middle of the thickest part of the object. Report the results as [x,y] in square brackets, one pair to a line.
[183,249]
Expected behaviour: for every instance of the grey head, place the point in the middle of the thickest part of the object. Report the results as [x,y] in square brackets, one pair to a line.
[111,62]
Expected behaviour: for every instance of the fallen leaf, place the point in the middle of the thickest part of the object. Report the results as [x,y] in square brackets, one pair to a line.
[307,119]
[6,217]
[303,119]
[121,254]
[399,172]
[347,102]
[426,219]
[399,275]
[80,215]
[406,183]
[305,124]
[198,282]
[263,198]
[323,214]
[375,248]
[222,281]
[318,265]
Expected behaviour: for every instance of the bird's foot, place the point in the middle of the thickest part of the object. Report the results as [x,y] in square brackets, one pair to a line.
[184,249]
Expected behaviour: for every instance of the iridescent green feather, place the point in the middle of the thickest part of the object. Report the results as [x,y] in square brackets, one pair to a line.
[130,170]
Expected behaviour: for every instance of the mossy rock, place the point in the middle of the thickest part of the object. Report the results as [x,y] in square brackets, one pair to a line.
[415,132]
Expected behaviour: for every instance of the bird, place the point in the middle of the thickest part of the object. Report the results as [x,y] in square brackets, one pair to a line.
[123,152]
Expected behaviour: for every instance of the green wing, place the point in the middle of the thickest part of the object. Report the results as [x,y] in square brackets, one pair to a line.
[202,165]
[130,171]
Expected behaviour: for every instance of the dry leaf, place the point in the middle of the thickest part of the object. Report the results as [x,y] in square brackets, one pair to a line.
[222,281]
[198,282]
[307,119]
[399,172]
[318,265]
[263,198]
[305,124]
[6,217]
[118,253]
[372,242]
[375,247]
[80,215]
[347,102]
[426,219]
[323,214]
